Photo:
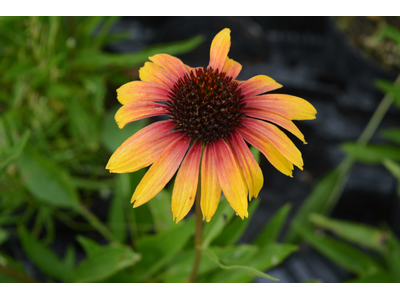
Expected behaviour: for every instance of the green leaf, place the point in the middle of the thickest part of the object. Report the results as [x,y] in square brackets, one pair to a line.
[44,258]
[160,207]
[91,58]
[393,168]
[390,32]
[267,257]
[254,272]
[360,234]
[105,262]
[116,215]
[256,153]
[159,249]
[48,182]
[270,232]
[376,277]
[232,233]
[371,153]
[389,87]
[392,255]
[3,235]
[180,267]
[392,134]
[341,253]
[16,150]
[83,124]
[317,201]
[88,245]
[218,222]
[111,136]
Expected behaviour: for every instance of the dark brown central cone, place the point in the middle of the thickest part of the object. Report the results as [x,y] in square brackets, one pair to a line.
[206,105]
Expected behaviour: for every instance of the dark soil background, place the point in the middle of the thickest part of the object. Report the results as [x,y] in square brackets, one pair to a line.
[314,60]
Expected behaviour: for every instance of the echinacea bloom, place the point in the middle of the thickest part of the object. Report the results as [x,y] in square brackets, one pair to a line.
[211,117]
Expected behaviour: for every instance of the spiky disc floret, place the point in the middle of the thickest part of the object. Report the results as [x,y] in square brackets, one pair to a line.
[206,104]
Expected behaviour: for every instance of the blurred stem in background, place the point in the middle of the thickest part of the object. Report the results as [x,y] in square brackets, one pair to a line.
[328,190]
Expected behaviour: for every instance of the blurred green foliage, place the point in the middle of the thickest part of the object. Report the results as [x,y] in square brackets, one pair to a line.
[384,264]
[57,131]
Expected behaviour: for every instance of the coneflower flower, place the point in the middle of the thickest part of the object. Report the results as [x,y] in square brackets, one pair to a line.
[211,115]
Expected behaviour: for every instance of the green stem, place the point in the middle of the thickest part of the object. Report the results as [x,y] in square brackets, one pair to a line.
[95,222]
[197,235]
[363,140]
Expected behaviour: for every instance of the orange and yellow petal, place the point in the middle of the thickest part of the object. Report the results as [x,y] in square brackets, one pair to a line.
[232,68]
[185,187]
[219,49]
[171,64]
[251,170]
[275,118]
[277,138]
[290,107]
[142,148]
[230,178]
[257,85]
[150,72]
[270,152]
[136,91]
[210,188]
[138,110]
[161,172]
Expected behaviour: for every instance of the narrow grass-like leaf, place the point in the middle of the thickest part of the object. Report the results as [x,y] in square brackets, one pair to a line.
[116,215]
[157,250]
[317,201]
[390,88]
[392,134]
[234,230]
[360,234]
[341,253]
[371,153]
[393,168]
[270,232]
[218,222]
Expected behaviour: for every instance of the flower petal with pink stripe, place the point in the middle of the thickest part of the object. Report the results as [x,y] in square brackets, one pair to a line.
[185,187]
[161,172]
[230,178]
[138,110]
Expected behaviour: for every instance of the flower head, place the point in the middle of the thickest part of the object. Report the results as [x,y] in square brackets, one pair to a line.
[211,117]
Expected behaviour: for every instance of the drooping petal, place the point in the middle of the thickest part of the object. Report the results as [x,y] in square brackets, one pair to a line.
[230,178]
[171,64]
[250,168]
[141,91]
[219,49]
[290,107]
[275,118]
[257,85]
[152,73]
[142,148]
[269,151]
[232,68]
[161,172]
[138,110]
[185,187]
[277,138]
[210,188]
